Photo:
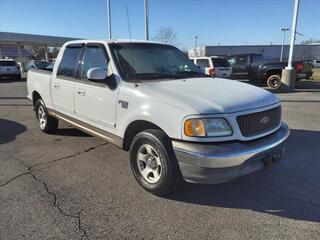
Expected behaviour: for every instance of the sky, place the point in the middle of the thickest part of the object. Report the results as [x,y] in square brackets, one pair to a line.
[225,22]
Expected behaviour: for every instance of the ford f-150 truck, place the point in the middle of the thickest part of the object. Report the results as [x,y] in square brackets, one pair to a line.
[151,100]
[257,69]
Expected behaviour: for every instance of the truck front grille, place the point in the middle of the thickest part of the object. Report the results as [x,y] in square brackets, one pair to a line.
[260,122]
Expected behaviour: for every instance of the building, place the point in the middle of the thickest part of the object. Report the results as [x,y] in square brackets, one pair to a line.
[301,52]
[19,46]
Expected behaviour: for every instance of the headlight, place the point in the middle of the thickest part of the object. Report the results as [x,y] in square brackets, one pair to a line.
[207,127]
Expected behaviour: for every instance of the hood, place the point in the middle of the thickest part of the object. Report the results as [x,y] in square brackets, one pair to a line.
[207,95]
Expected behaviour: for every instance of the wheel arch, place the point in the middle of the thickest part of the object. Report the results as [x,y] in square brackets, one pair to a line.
[134,128]
[271,72]
[35,97]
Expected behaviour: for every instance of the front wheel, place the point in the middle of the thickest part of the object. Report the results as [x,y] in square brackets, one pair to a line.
[153,162]
[46,123]
[274,81]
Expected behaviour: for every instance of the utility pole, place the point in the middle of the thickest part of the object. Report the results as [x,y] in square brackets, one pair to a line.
[146,20]
[196,45]
[109,18]
[288,77]
[283,40]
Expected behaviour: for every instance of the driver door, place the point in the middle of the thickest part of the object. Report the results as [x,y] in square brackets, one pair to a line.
[95,102]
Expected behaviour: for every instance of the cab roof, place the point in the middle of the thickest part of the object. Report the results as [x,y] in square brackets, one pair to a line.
[108,41]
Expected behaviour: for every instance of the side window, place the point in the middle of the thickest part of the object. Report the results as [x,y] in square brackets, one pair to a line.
[94,56]
[242,59]
[69,62]
[231,60]
[203,63]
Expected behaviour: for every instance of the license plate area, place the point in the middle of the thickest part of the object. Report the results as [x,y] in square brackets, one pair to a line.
[272,157]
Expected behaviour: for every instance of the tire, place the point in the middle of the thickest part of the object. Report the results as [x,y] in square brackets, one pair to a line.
[274,81]
[153,162]
[46,123]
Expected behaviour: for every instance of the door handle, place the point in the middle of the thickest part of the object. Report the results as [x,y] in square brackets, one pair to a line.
[56,86]
[81,92]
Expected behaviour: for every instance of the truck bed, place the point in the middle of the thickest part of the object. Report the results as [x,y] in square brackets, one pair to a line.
[38,80]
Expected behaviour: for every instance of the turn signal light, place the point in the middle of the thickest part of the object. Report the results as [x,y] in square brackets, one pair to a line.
[194,128]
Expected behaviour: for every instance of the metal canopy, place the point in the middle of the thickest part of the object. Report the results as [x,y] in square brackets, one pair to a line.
[31,39]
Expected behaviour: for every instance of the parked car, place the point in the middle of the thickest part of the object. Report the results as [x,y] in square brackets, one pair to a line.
[151,100]
[257,69]
[9,69]
[40,64]
[214,66]
[315,63]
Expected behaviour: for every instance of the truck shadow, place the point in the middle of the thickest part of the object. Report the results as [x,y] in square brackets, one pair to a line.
[9,130]
[290,189]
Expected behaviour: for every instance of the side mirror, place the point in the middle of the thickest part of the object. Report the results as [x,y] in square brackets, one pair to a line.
[97,74]
[100,75]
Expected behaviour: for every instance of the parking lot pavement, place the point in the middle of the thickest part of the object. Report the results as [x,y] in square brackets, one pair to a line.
[71,185]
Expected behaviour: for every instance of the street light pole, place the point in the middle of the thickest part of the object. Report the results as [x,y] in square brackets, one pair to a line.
[288,77]
[293,33]
[109,18]
[146,20]
[195,44]
[283,40]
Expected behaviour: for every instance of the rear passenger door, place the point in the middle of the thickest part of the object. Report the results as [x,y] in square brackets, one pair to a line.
[62,85]
[95,102]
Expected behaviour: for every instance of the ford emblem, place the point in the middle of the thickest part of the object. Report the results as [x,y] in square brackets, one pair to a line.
[265,120]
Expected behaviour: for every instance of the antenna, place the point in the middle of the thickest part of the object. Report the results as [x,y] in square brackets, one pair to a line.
[128,20]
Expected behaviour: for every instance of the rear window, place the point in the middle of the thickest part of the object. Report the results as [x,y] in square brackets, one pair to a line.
[257,58]
[203,63]
[220,62]
[8,63]
[69,62]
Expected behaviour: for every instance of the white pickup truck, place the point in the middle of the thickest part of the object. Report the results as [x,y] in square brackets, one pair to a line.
[150,99]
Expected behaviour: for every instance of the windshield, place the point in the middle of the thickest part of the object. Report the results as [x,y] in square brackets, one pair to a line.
[8,63]
[146,61]
[220,62]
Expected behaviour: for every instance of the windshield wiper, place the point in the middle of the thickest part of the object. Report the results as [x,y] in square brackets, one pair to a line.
[191,74]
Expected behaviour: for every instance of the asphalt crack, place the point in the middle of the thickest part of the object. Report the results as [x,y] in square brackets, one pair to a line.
[14,178]
[67,157]
[30,172]
[55,204]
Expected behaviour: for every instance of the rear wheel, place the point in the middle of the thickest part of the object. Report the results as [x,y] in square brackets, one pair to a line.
[46,123]
[153,162]
[274,81]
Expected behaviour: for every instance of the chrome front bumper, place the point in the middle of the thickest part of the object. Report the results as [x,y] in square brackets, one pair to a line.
[222,162]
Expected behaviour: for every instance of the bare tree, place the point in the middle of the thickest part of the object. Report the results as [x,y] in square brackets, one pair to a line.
[311,40]
[166,35]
